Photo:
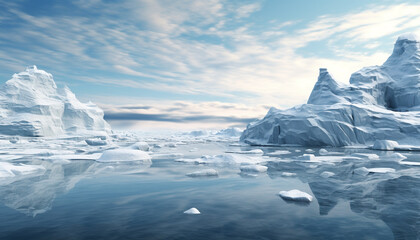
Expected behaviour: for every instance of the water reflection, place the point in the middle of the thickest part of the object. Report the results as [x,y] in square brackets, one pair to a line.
[394,198]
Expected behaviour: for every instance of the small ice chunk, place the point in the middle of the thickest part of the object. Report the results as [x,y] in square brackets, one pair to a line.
[254,151]
[295,195]
[409,163]
[322,151]
[144,146]
[96,142]
[387,145]
[288,174]
[381,170]
[253,168]
[192,211]
[124,155]
[309,150]
[203,173]
[327,174]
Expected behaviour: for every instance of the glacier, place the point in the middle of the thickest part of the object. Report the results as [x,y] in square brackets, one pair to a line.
[379,103]
[32,105]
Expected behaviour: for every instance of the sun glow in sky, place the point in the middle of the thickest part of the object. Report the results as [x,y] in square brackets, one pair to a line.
[197,64]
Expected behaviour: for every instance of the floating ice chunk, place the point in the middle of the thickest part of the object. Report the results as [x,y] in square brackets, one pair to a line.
[386,145]
[309,150]
[288,174]
[295,195]
[323,151]
[253,168]
[203,173]
[144,146]
[10,170]
[381,170]
[123,155]
[327,174]
[96,142]
[192,211]
[253,151]
[278,152]
[409,163]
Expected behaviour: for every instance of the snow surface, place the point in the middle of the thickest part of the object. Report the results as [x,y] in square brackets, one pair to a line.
[192,211]
[32,105]
[204,173]
[295,195]
[380,103]
[124,155]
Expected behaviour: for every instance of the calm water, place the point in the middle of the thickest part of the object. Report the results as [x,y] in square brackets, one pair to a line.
[88,200]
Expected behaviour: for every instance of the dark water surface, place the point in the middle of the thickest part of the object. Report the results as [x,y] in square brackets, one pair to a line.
[72,203]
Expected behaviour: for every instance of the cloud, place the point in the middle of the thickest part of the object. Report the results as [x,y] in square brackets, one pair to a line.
[200,48]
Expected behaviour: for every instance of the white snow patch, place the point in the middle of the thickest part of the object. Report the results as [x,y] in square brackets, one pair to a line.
[296,195]
[192,211]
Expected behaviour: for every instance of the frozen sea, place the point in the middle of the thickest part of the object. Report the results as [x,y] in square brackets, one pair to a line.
[54,189]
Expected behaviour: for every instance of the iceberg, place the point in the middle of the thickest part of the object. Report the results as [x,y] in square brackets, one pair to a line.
[380,103]
[32,105]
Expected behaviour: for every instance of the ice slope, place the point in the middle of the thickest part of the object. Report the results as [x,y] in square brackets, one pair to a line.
[32,105]
[379,103]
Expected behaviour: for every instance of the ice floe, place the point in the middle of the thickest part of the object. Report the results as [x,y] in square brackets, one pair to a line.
[295,195]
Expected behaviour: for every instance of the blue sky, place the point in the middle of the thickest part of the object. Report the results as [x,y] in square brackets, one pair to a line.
[197,64]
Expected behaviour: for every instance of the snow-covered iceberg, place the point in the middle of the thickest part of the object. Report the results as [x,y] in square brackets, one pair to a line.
[32,105]
[379,103]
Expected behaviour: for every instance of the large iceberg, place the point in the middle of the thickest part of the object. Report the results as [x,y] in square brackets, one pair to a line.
[379,103]
[32,105]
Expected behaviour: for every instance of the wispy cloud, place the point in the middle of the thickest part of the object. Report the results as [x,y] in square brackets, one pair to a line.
[199,47]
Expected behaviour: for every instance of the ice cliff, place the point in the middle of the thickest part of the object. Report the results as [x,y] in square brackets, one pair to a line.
[379,103]
[32,105]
